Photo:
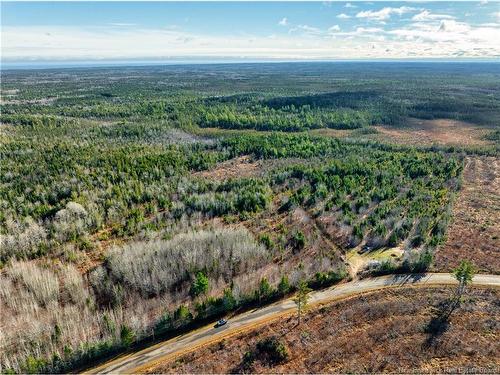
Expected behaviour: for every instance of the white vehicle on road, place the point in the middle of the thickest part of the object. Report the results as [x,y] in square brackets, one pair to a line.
[220,323]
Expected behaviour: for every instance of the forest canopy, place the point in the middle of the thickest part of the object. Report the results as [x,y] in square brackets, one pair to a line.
[137,202]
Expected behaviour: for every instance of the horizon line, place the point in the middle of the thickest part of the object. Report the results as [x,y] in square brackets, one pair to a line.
[48,64]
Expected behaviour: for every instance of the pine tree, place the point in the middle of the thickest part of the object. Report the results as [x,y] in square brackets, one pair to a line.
[302,298]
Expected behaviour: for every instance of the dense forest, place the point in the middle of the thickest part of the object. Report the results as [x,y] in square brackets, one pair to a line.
[120,221]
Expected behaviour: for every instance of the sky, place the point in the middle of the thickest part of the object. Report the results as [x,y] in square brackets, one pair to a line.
[328,30]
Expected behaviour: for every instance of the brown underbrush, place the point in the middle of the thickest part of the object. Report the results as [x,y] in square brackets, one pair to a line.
[379,332]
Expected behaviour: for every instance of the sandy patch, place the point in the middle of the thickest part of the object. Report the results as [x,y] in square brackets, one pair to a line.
[242,166]
[441,131]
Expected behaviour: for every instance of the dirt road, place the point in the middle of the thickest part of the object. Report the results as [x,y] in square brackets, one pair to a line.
[139,361]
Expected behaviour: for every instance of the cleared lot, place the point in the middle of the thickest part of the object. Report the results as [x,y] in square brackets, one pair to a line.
[380,332]
[475,230]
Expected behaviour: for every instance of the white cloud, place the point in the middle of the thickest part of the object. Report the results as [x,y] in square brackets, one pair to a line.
[343,16]
[309,30]
[283,22]
[447,39]
[361,34]
[425,15]
[451,36]
[349,5]
[384,13]
[121,24]
[483,2]
[369,30]
[497,15]
[490,24]
[452,26]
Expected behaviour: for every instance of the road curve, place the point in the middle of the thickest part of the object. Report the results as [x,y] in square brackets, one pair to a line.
[139,361]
